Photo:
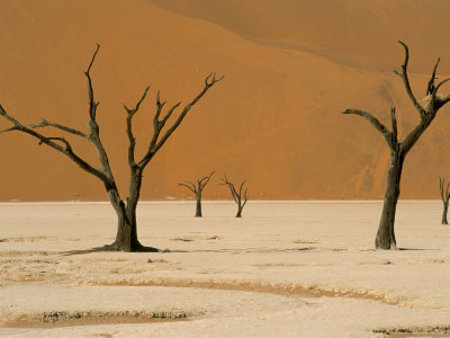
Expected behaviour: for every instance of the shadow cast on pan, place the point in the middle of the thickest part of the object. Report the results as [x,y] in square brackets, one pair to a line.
[107,248]
[417,249]
[247,250]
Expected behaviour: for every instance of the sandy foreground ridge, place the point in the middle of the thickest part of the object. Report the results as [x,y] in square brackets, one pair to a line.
[303,269]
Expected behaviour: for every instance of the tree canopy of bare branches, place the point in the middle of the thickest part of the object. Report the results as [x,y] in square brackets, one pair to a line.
[240,197]
[163,128]
[385,238]
[197,189]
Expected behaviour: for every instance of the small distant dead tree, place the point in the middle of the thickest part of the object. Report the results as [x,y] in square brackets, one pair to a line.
[126,237]
[197,189]
[445,196]
[240,199]
[385,238]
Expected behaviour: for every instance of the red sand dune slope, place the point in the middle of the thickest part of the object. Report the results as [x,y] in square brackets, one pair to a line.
[291,68]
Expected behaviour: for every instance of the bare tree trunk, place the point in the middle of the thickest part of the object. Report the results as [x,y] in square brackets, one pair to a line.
[386,236]
[198,208]
[240,208]
[445,196]
[126,238]
[444,214]
[239,213]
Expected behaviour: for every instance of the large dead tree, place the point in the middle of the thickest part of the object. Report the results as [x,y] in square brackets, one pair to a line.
[240,197]
[385,238]
[197,189]
[126,238]
[445,196]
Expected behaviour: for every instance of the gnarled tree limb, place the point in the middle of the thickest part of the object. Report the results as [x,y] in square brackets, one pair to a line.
[404,76]
[157,140]
[46,123]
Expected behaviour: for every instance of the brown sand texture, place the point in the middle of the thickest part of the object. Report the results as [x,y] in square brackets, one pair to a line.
[291,67]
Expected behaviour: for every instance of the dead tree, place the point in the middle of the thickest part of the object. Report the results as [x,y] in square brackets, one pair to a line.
[385,238]
[197,189]
[445,196]
[126,237]
[240,199]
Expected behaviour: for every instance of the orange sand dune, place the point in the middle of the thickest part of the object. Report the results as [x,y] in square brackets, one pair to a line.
[291,67]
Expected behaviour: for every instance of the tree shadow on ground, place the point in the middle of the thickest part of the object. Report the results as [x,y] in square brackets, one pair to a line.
[244,250]
[418,249]
[108,248]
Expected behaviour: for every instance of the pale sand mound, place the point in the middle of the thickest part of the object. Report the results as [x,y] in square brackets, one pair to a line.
[291,67]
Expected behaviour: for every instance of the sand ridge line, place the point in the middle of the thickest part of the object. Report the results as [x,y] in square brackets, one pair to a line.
[66,319]
[259,287]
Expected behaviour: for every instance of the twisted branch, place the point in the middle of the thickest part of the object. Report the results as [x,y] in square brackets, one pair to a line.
[404,76]
[157,140]
[45,123]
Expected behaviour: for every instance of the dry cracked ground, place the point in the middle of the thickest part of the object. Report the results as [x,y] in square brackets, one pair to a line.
[287,268]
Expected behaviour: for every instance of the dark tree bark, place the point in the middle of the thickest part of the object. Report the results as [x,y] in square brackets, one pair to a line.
[126,237]
[385,238]
[239,197]
[197,189]
[445,196]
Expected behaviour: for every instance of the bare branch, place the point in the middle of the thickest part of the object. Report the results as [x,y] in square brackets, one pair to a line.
[394,133]
[61,139]
[8,130]
[404,75]
[430,86]
[49,141]
[240,188]
[169,113]
[197,187]
[375,122]
[440,84]
[156,143]
[159,107]
[138,104]
[92,104]
[158,125]
[204,181]
[93,58]
[231,187]
[209,82]
[131,138]
[190,185]
[94,135]
[445,189]
[211,79]
[245,198]
[46,123]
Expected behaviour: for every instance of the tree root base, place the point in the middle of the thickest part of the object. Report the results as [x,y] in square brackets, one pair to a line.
[136,247]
